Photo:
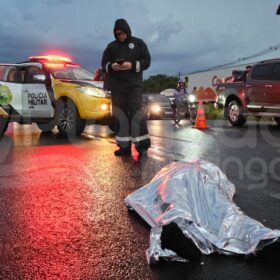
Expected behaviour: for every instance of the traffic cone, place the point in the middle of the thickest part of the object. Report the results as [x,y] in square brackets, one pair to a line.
[200,121]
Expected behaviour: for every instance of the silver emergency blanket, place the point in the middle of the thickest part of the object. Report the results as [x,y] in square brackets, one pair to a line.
[198,197]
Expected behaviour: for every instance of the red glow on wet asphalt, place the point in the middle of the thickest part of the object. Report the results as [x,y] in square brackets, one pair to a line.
[54,210]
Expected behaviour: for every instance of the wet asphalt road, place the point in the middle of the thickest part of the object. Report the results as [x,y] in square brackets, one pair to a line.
[62,202]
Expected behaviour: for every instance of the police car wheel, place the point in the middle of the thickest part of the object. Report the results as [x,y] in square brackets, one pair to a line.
[46,127]
[68,119]
[3,126]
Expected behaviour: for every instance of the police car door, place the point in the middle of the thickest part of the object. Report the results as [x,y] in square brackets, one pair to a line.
[10,90]
[36,101]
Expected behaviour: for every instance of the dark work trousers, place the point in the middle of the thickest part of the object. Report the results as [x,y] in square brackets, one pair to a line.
[130,117]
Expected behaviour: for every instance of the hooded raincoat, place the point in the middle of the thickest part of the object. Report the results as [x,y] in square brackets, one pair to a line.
[126,87]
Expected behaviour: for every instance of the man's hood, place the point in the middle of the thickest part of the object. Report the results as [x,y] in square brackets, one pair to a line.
[121,24]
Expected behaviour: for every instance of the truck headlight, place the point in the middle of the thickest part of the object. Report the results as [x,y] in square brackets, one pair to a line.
[192,98]
[91,91]
[222,99]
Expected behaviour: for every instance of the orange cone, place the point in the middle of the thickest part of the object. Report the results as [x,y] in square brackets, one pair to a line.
[200,121]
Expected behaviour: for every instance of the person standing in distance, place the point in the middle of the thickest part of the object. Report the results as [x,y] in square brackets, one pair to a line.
[124,61]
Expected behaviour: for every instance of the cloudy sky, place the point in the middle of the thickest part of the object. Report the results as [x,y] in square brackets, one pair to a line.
[182,35]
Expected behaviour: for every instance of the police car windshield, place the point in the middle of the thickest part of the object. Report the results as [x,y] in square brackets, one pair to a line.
[71,72]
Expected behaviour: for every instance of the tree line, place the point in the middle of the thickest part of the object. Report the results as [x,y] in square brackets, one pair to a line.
[160,82]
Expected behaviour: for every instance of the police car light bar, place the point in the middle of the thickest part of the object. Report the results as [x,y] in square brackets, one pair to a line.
[51,58]
[59,64]
[54,65]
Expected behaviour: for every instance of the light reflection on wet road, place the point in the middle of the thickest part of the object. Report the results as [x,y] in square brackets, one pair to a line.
[62,202]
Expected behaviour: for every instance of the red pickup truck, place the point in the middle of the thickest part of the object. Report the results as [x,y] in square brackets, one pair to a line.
[255,92]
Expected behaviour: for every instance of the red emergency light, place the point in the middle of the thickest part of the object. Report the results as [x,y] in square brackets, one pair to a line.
[51,58]
[54,65]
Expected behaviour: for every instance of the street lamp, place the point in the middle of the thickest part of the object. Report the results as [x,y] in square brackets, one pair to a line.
[278,10]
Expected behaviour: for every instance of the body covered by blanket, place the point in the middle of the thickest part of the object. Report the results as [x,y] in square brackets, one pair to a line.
[198,198]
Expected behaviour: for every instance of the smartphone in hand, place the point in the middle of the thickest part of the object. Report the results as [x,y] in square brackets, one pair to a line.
[120,61]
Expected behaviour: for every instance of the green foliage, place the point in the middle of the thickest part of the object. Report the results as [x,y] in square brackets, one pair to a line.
[211,113]
[160,82]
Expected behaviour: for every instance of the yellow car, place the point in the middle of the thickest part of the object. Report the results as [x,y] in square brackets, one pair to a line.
[51,91]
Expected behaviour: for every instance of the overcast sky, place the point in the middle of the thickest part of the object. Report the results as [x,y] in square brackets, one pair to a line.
[182,35]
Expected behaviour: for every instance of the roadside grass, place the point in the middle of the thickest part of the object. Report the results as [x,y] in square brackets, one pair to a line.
[211,113]
[218,114]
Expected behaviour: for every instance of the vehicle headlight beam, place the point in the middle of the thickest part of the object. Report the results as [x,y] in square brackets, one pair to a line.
[192,98]
[91,91]
[155,108]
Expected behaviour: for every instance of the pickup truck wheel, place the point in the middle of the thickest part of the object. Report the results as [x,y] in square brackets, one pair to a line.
[235,114]
[68,120]
[46,127]
[3,126]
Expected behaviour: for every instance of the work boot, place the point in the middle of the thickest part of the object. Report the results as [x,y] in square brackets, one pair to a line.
[173,238]
[141,151]
[123,152]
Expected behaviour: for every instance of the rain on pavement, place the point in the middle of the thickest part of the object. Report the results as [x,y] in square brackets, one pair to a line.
[62,201]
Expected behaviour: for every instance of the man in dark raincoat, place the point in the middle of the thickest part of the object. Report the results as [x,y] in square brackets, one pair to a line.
[124,61]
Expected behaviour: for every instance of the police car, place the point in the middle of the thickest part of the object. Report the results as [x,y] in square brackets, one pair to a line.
[51,91]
